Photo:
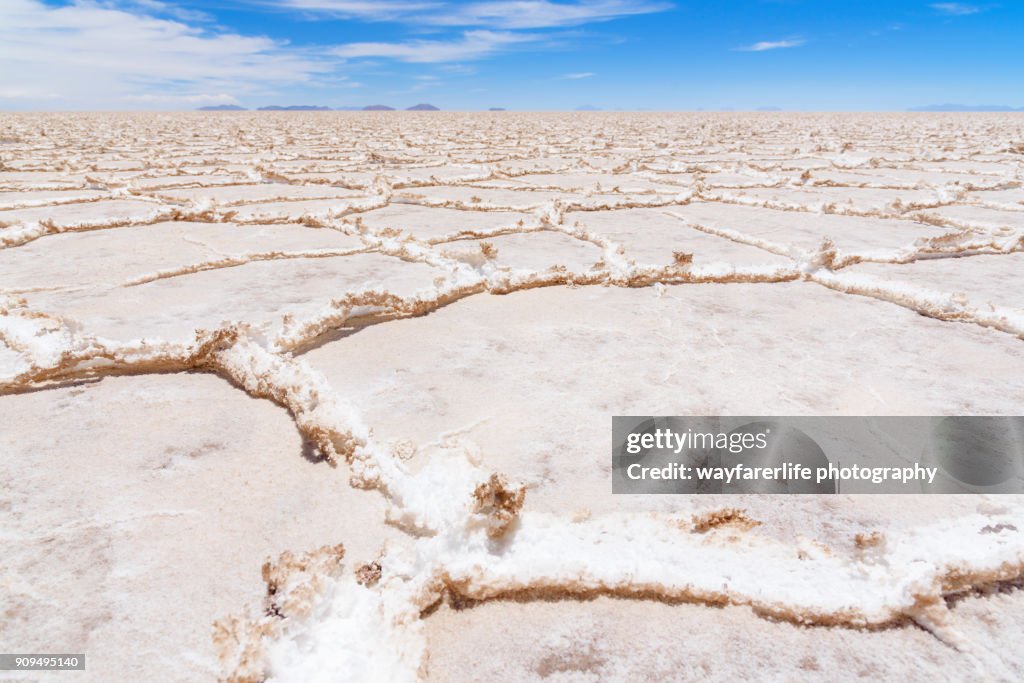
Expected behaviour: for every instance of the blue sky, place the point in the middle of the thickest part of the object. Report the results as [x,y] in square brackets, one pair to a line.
[518,54]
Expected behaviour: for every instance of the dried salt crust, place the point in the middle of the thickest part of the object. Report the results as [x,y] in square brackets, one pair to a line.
[244,324]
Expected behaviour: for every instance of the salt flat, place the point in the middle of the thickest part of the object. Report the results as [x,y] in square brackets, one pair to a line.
[228,338]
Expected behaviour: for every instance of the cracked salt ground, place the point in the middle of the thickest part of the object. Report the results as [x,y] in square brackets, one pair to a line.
[614,639]
[342,269]
[852,200]
[32,223]
[853,234]
[164,182]
[660,238]
[170,485]
[533,252]
[26,198]
[132,253]
[433,224]
[985,218]
[983,285]
[616,353]
[172,309]
[584,183]
[250,194]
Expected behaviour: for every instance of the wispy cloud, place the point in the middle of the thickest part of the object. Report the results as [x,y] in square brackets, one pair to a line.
[543,14]
[190,100]
[504,24]
[367,10]
[27,93]
[492,14]
[424,82]
[104,53]
[459,69]
[100,55]
[158,8]
[957,9]
[771,45]
[471,45]
[576,76]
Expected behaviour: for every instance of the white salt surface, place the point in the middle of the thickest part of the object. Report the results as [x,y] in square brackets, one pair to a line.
[193,328]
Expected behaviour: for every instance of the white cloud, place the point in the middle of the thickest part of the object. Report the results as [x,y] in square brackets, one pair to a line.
[514,14]
[472,45]
[27,93]
[367,10]
[493,14]
[162,8]
[771,45]
[98,55]
[104,53]
[955,8]
[459,69]
[191,100]
[576,76]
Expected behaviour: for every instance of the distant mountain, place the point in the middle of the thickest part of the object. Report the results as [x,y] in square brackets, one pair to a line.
[423,107]
[378,107]
[966,107]
[770,108]
[348,109]
[588,107]
[295,107]
[222,107]
[496,109]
